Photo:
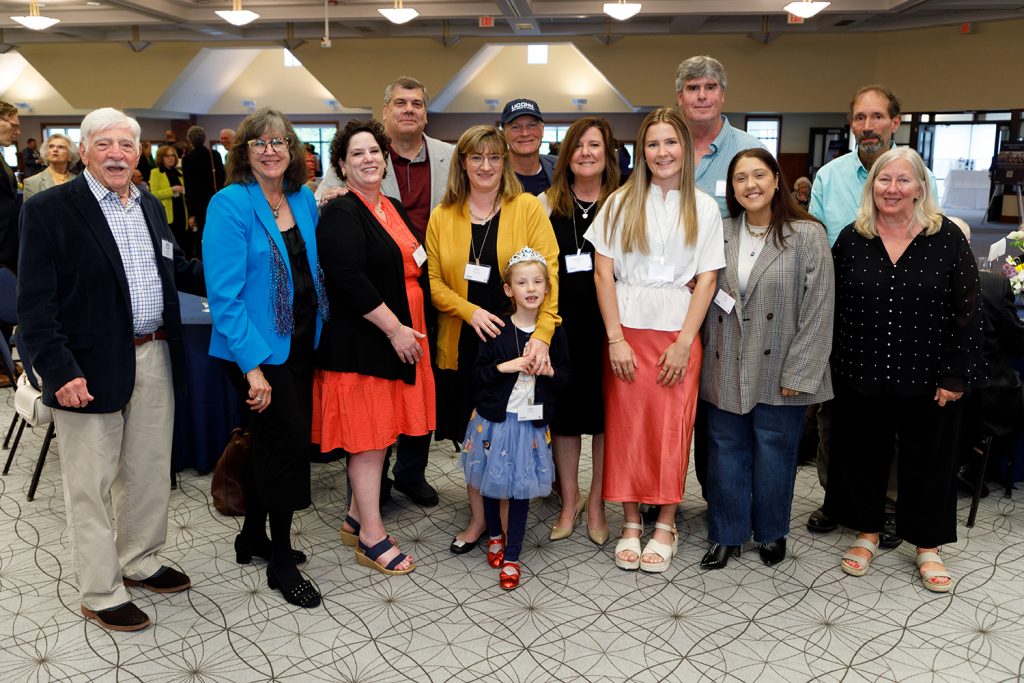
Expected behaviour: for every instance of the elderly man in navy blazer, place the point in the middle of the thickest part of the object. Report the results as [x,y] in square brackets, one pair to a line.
[98,314]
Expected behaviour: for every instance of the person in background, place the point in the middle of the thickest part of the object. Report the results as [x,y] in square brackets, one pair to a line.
[836,196]
[146,164]
[31,161]
[268,306]
[202,172]
[10,129]
[766,348]
[483,219]
[802,192]
[523,126]
[61,155]
[907,345]
[653,236]
[138,182]
[586,174]
[167,185]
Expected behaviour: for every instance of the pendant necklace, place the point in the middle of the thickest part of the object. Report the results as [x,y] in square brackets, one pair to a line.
[755,235]
[584,209]
[276,210]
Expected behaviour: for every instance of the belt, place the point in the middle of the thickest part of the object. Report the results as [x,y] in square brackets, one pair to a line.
[159,335]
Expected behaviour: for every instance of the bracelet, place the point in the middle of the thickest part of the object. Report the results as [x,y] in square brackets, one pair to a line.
[616,341]
[395,333]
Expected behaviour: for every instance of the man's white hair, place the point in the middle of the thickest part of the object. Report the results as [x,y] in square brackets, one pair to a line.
[100,120]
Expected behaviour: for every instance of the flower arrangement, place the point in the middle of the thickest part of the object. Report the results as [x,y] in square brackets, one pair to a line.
[1014,266]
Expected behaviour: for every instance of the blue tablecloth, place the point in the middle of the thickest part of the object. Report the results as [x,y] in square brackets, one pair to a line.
[210,409]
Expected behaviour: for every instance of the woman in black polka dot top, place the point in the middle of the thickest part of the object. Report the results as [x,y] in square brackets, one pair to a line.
[907,344]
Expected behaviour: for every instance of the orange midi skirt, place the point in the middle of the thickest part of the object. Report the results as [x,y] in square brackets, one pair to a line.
[648,427]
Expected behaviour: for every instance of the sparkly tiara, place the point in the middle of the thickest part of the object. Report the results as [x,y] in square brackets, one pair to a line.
[526,255]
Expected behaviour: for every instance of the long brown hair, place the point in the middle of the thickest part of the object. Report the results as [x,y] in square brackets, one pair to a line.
[629,203]
[785,207]
[559,195]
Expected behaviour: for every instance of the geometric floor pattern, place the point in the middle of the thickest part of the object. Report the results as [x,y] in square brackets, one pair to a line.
[574,618]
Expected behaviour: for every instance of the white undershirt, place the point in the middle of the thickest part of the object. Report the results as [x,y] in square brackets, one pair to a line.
[750,249]
[522,392]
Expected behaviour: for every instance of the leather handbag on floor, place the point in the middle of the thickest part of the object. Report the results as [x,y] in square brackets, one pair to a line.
[227,487]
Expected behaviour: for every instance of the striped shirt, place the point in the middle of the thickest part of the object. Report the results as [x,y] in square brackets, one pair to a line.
[131,233]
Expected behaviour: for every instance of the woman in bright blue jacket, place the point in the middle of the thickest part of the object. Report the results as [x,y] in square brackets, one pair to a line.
[267,303]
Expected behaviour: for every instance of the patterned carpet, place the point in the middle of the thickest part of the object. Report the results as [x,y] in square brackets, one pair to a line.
[575,618]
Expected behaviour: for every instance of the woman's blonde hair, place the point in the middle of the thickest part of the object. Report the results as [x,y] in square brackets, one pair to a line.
[628,204]
[479,140]
[926,213]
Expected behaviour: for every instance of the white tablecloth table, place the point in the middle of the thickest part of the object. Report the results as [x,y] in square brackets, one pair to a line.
[966,190]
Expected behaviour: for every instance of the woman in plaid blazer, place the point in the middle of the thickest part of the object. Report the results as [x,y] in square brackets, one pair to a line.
[767,339]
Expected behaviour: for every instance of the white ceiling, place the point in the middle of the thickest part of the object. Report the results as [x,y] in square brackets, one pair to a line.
[448,20]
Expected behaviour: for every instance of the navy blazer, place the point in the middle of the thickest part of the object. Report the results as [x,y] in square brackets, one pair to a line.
[74,307]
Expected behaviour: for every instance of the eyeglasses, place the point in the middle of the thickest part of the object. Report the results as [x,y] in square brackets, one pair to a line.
[259,145]
[12,124]
[492,159]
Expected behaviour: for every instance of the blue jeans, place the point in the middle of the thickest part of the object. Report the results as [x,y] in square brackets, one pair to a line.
[751,470]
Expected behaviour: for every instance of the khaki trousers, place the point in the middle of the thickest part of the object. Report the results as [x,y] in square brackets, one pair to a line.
[116,470]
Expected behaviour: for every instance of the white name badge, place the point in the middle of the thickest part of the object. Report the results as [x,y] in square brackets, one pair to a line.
[719,188]
[420,255]
[478,273]
[534,412]
[578,263]
[724,301]
[661,272]
[167,248]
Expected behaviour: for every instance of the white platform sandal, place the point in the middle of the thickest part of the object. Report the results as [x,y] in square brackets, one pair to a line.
[665,551]
[927,576]
[863,563]
[629,544]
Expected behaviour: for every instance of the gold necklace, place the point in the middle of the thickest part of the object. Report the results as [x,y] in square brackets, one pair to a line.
[277,208]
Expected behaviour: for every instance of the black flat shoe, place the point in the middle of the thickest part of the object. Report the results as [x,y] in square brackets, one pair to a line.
[419,492]
[820,523]
[462,547]
[717,556]
[245,551]
[301,593]
[773,552]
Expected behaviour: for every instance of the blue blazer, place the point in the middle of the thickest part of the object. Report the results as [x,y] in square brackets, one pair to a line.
[74,306]
[236,256]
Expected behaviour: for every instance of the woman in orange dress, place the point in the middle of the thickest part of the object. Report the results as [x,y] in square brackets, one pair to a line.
[373,379]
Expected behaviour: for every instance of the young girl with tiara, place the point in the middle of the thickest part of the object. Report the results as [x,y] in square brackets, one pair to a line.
[507,452]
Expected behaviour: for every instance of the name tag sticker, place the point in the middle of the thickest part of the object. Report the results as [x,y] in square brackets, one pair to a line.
[478,273]
[724,301]
[661,272]
[420,255]
[719,188]
[167,248]
[534,412]
[578,263]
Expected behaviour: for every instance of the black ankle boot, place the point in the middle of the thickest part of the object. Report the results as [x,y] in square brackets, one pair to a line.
[717,556]
[773,552]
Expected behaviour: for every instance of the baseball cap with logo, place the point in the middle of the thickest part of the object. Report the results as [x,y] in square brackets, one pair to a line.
[520,107]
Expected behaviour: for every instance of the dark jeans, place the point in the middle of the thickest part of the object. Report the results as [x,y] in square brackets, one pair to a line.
[700,446]
[751,470]
[411,459]
[864,430]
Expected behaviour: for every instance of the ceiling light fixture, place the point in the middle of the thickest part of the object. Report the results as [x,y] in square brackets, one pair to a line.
[621,10]
[399,14]
[805,9]
[236,15]
[34,20]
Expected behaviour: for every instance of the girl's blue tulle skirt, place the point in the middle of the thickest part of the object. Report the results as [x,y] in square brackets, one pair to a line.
[509,459]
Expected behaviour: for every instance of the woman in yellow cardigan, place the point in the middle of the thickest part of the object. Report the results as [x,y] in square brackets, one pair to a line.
[167,185]
[483,219]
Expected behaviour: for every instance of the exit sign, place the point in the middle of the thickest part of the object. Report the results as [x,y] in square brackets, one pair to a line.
[794,19]
[486,22]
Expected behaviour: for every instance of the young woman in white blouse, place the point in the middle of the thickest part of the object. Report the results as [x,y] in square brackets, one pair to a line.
[651,238]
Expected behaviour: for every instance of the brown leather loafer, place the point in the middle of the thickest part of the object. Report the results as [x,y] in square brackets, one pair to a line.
[126,617]
[167,580]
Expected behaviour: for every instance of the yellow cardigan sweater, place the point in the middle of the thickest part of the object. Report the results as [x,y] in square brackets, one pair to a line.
[160,186]
[523,223]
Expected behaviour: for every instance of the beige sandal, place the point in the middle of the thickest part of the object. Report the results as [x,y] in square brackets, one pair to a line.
[927,576]
[666,551]
[862,562]
[629,544]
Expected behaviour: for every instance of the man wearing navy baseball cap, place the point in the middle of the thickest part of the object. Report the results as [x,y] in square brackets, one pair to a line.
[523,125]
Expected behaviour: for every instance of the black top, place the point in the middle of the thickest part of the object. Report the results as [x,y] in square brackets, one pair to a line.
[535,184]
[303,297]
[902,329]
[494,387]
[363,268]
